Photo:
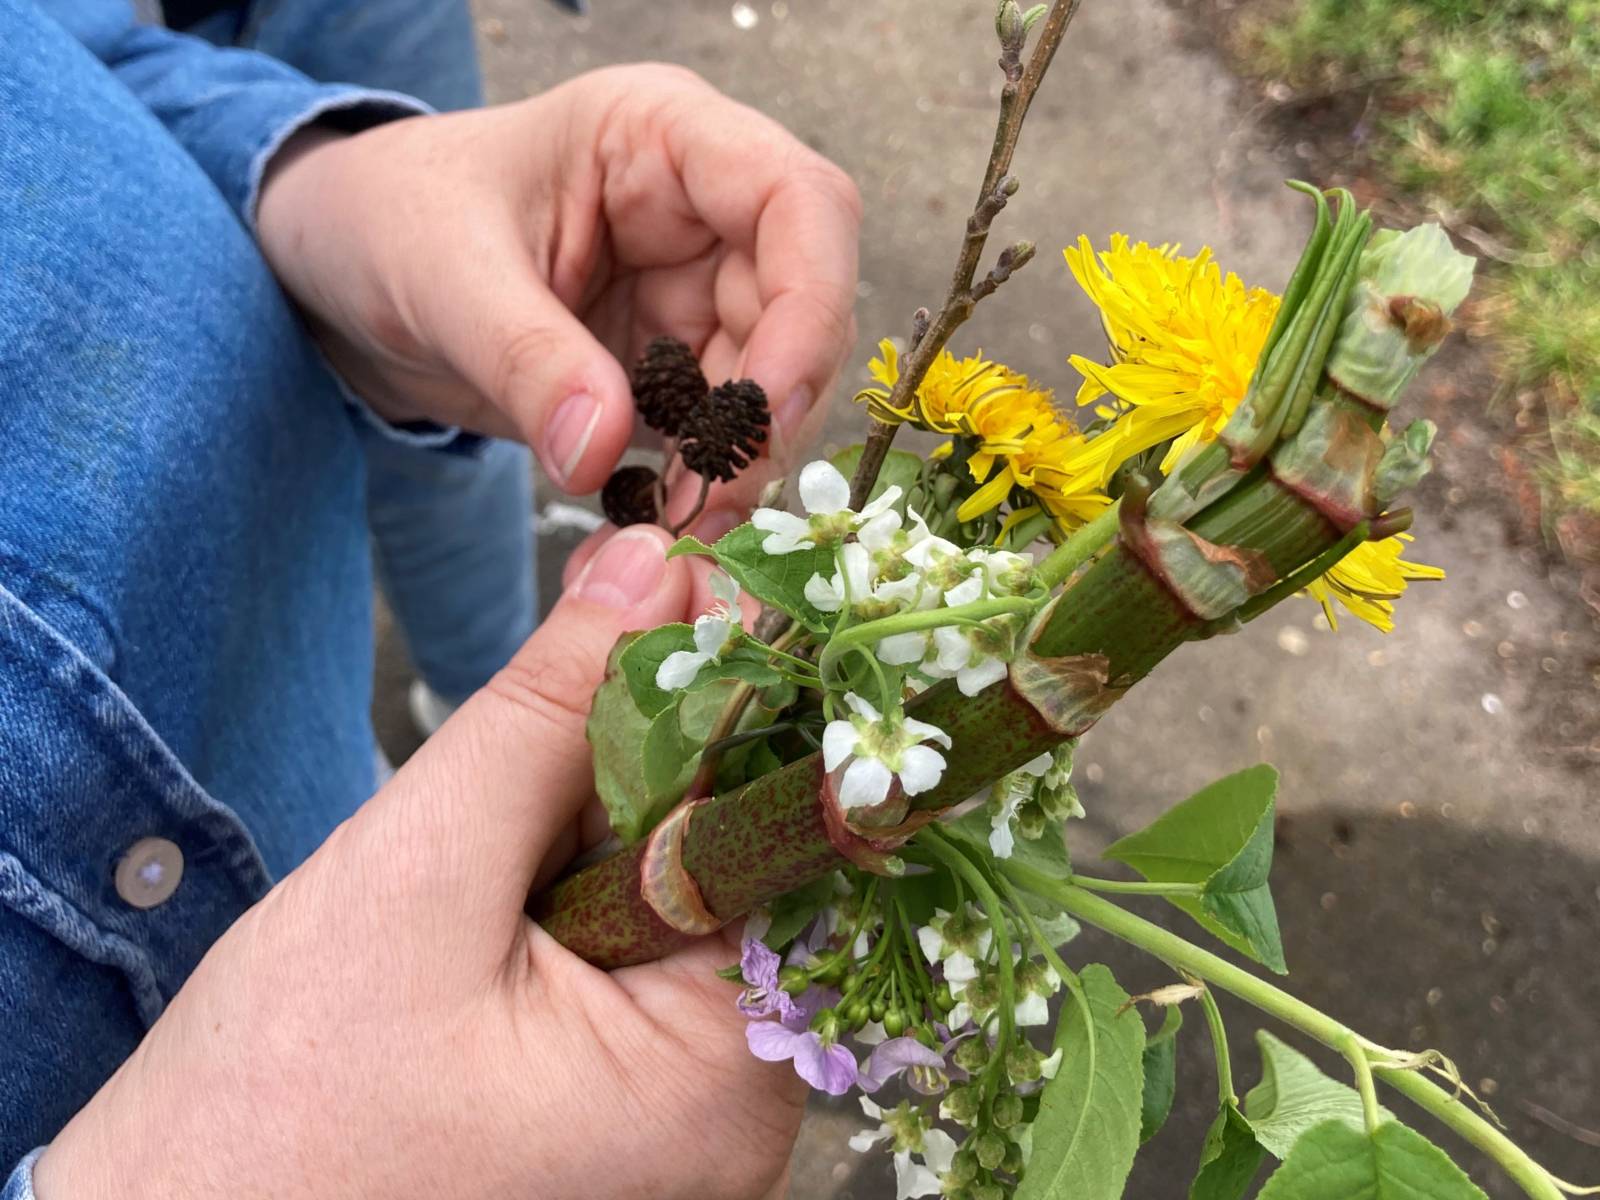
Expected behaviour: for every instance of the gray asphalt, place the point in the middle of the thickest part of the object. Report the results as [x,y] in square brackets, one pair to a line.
[1438,848]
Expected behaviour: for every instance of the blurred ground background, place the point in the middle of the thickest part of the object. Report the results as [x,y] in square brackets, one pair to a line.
[1438,870]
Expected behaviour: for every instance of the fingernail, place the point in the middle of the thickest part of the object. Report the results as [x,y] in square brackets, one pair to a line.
[625,571]
[567,434]
[793,410]
[714,524]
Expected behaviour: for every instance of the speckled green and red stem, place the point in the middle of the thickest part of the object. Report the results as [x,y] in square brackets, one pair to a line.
[752,845]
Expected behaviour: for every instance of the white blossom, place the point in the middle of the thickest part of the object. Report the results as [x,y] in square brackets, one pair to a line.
[712,632]
[1014,789]
[878,750]
[912,1135]
[825,495]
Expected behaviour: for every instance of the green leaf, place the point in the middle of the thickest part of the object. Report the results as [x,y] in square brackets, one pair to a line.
[900,469]
[1229,1159]
[1220,837]
[1294,1095]
[616,731]
[1331,1161]
[1048,854]
[670,756]
[1087,1130]
[1160,1074]
[644,657]
[793,911]
[776,579]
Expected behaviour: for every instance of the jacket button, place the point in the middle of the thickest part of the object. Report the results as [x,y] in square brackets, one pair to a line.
[149,872]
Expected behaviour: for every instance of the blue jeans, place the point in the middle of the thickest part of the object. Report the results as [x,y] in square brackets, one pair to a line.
[453,532]
[185,574]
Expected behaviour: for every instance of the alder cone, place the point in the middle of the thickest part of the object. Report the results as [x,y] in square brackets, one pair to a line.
[668,385]
[720,438]
[629,497]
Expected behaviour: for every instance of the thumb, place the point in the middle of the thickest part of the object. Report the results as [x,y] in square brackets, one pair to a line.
[555,386]
[492,791]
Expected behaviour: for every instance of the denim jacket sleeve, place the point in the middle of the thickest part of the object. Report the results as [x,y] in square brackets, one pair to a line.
[232,110]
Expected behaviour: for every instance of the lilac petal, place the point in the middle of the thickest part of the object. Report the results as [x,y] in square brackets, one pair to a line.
[894,1056]
[830,1069]
[807,1005]
[771,1041]
[759,965]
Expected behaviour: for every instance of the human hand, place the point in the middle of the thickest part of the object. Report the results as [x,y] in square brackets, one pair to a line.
[388,1023]
[491,268]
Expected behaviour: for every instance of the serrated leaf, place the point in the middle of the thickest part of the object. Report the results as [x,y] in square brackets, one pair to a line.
[1229,1159]
[643,658]
[616,730]
[900,469]
[1087,1130]
[1294,1095]
[1220,837]
[645,655]
[1047,854]
[1331,1161]
[778,580]
[1160,1063]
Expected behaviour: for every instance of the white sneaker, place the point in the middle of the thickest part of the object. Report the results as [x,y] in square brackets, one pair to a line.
[429,710]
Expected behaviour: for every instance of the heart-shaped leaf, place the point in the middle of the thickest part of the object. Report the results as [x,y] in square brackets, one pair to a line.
[1221,838]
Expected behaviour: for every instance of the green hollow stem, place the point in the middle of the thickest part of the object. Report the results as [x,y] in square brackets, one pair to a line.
[1131,888]
[858,637]
[1533,1179]
[1083,544]
[1219,1048]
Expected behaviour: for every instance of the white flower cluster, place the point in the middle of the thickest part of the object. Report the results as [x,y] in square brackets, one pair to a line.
[962,943]
[890,568]
[922,1151]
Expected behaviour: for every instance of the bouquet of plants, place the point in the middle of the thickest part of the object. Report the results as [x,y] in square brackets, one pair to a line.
[876,775]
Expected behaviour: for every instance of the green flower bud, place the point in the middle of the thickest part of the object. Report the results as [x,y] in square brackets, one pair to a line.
[943,1000]
[1031,820]
[880,1008]
[962,1104]
[853,980]
[831,971]
[1009,26]
[988,1190]
[1007,1110]
[854,1012]
[971,1055]
[1024,1064]
[990,1148]
[964,1166]
[894,1022]
[794,980]
[1012,1163]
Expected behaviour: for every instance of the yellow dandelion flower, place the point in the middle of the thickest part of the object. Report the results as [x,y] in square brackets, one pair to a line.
[1019,439]
[1184,339]
[1368,581]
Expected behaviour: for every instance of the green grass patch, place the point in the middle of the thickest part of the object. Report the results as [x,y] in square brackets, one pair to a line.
[1490,116]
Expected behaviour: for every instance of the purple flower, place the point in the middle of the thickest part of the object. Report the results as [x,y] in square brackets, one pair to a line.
[826,1066]
[762,995]
[904,1054]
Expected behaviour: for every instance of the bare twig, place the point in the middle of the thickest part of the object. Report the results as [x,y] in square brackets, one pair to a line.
[998,186]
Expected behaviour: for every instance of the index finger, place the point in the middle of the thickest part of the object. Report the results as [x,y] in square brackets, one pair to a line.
[760,189]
